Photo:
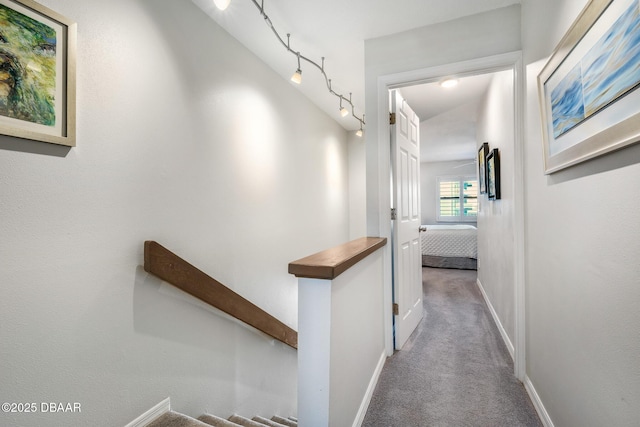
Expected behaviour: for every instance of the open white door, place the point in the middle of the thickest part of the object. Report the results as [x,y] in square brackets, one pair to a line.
[407,265]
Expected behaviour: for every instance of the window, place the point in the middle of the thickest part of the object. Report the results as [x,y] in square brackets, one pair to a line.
[457,199]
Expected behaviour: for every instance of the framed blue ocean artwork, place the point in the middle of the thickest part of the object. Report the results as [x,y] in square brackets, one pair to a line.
[589,89]
[37,73]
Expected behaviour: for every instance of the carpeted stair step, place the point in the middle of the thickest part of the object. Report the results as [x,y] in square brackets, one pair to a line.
[289,422]
[267,422]
[174,419]
[212,420]
[240,421]
[246,422]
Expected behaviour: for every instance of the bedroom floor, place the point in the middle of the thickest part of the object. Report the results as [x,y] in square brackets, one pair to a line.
[455,369]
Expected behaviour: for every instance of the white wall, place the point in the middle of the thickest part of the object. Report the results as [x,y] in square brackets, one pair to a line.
[357,339]
[357,187]
[583,286]
[341,344]
[429,173]
[496,230]
[185,138]
[450,135]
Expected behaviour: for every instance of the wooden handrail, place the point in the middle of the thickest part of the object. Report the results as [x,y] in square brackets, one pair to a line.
[168,266]
[332,262]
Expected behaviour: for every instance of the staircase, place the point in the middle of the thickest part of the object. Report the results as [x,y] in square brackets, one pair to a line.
[175,419]
[316,365]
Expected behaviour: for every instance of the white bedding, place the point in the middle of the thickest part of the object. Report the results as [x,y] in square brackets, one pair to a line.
[450,241]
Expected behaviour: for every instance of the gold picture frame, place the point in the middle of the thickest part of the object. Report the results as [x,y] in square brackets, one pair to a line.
[589,88]
[38,73]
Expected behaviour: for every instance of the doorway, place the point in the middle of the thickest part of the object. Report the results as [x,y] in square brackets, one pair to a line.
[512,210]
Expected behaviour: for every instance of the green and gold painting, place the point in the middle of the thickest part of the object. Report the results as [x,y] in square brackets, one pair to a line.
[27,68]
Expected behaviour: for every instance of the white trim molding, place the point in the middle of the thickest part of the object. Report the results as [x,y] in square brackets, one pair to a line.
[537,403]
[364,406]
[152,414]
[519,360]
[496,319]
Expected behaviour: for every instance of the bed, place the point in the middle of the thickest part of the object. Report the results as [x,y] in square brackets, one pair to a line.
[449,246]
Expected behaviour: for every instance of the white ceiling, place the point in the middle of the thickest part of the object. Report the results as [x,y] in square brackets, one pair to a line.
[337,30]
[430,99]
[448,117]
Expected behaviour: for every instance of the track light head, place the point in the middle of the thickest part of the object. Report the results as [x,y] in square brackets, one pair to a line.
[343,111]
[222,4]
[297,76]
[359,131]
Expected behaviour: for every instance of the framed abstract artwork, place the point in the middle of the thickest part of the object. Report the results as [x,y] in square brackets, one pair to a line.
[37,73]
[493,175]
[483,152]
[589,89]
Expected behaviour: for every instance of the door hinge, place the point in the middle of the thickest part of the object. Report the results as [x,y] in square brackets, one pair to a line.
[392,118]
[394,214]
[396,309]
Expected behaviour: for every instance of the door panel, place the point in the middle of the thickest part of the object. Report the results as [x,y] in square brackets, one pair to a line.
[405,154]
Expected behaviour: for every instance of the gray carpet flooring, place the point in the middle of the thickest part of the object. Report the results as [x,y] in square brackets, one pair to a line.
[455,369]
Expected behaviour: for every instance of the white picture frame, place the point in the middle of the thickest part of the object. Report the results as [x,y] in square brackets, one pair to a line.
[611,117]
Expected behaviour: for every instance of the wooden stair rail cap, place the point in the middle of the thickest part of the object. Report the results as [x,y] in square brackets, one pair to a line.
[330,263]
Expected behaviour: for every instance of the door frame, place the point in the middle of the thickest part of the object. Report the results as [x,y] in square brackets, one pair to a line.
[508,61]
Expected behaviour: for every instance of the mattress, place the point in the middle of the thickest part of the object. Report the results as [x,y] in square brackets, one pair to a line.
[450,241]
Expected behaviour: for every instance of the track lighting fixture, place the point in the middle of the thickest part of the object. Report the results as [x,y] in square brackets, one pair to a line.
[359,131]
[343,111]
[297,76]
[222,4]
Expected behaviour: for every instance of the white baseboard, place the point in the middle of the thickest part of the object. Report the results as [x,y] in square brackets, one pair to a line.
[152,414]
[528,385]
[537,403]
[496,319]
[369,393]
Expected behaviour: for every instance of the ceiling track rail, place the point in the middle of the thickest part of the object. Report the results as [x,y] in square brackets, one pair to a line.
[320,67]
